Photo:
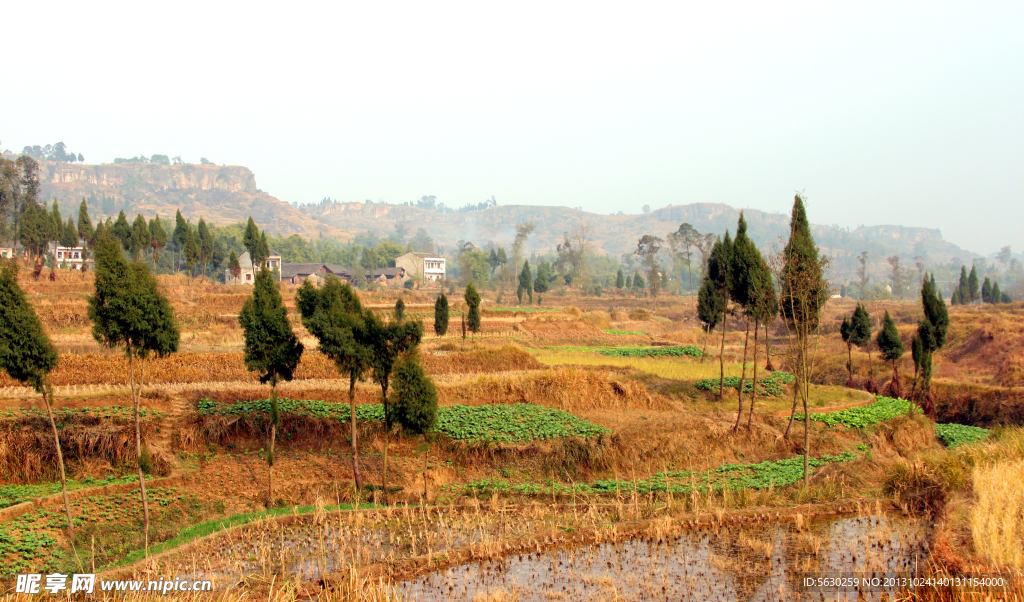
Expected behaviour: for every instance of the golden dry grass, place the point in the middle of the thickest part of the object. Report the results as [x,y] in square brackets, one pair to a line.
[997,518]
[662,367]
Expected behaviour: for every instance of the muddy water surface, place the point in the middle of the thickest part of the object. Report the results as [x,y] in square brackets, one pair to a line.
[731,563]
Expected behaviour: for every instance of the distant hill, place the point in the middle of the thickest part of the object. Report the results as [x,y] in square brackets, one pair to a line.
[227,194]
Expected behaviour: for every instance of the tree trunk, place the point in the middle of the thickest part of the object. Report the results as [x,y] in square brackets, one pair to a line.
[387,440]
[355,445]
[743,376]
[689,269]
[136,389]
[425,452]
[60,462]
[721,361]
[849,363]
[792,412]
[704,353]
[270,454]
[753,392]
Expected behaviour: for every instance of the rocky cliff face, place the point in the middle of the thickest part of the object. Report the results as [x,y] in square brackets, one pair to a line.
[221,194]
[149,176]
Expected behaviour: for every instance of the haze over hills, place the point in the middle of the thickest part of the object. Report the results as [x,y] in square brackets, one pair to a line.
[227,194]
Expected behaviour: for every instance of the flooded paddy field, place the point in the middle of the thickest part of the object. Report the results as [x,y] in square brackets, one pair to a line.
[742,562]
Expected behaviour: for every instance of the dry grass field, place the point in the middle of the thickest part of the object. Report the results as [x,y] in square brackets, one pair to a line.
[661,457]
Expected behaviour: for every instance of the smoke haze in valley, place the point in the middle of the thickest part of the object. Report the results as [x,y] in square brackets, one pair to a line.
[881,113]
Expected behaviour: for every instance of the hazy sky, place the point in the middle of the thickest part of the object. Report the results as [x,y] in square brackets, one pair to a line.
[907,113]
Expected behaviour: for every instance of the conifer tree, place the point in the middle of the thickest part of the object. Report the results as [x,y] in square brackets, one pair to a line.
[744,268]
[414,399]
[233,266]
[399,309]
[629,282]
[140,237]
[965,289]
[191,252]
[56,223]
[128,312]
[997,295]
[441,315]
[972,284]
[386,343]
[179,237]
[525,284]
[719,263]
[931,331]
[954,299]
[804,294]
[540,283]
[271,349]
[638,283]
[472,299]
[122,231]
[157,239]
[861,321]
[620,280]
[334,315]
[986,291]
[764,306]
[710,309]
[69,235]
[892,349]
[28,356]
[85,229]
[204,240]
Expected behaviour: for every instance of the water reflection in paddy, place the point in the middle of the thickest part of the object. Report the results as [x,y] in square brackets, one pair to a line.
[731,563]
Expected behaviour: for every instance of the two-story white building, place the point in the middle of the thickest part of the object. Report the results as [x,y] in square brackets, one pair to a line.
[248,274]
[72,258]
[423,267]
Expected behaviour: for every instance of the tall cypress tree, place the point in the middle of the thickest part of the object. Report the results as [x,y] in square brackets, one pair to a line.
[140,237]
[157,239]
[28,356]
[122,231]
[932,334]
[965,290]
[441,315]
[128,312]
[892,349]
[414,399]
[997,295]
[710,309]
[334,315]
[804,294]
[719,263]
[85,228]
[191,252]
[744,269]
[69,236]
[986,291]
[472,299]
[525,283]
[972,284]
[205,242]
[271,349]
[620,280]
[179,237]
[387,342]
[233,266]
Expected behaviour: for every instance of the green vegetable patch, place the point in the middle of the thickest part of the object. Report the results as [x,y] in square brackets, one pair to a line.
[769,385]
[884,408]
[955,435]
[16,494]
[516,423]
[641,351]
[734,477]
[626,332]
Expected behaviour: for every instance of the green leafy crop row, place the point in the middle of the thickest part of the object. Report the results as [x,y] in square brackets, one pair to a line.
[884,408]
[16,494]
[625,332]
[503,423]
[676,351]
[734,477]
[955,435]
[769,385]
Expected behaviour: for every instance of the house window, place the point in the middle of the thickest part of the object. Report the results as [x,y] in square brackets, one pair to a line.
[76,255]
[248,277]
